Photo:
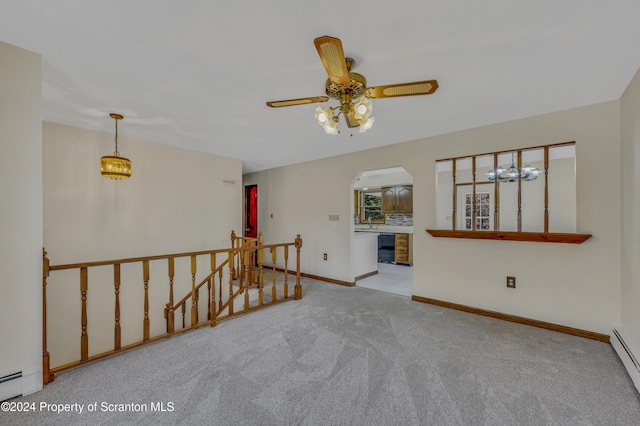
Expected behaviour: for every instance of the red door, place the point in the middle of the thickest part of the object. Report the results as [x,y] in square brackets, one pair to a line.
[251,211]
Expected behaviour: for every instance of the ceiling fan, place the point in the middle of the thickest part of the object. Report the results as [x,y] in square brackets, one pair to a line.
[351,90]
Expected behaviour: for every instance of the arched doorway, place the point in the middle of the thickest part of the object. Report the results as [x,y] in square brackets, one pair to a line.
[383,230]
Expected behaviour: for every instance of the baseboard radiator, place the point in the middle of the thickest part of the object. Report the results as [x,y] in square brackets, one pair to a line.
[626,356]
[11,386]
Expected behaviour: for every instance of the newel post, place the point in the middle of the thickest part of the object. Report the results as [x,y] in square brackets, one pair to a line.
[297,292]
[47,377]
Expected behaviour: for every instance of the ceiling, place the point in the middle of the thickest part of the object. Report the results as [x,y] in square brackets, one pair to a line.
[196,74]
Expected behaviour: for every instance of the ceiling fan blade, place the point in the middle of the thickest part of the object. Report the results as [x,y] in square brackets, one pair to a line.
[332,56]
[301,101]
[426,87]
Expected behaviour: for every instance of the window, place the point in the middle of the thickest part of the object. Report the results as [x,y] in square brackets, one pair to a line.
[482,211]
[371,207]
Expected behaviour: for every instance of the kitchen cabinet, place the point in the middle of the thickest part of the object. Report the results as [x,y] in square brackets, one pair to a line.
[403,249]
[397,199]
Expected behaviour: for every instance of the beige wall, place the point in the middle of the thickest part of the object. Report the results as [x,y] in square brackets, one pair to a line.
[630,130]
[573,285]
[21,213]
[175,201]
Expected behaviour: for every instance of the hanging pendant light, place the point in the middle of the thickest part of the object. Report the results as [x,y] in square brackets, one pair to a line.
[512,174]
[114,166]
[530,173]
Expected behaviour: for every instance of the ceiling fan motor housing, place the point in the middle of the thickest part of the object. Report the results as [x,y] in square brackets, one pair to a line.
[355,88]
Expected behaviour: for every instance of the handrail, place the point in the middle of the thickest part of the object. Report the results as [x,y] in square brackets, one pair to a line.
[134,259]
[203,282]
[241,270]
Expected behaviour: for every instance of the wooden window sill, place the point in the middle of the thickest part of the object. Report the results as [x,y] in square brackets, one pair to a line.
[540,237]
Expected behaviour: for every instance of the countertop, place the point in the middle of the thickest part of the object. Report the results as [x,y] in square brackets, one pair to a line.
[384,228]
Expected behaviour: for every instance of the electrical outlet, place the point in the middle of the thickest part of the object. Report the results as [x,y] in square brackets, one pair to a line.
[324,256]
[511,282]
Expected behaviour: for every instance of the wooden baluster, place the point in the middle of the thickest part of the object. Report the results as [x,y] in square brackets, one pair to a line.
[194,295]
[251,262]
[474,203]
[212,290]
[286,272]
[47,377]
[116,329]
[519,191]
[210,296]
[241,267]
[274,253]
[184,314]
[455,193]
[220,290]
[546,189]
[254,261]
[232,270]
[298,287]
[260,277]
[496,200]
[170,311]
[232,254]
[220,274]
[246,254]
[145,322]
[84,337]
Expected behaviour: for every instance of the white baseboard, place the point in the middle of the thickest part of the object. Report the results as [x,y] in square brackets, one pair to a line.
[627,357]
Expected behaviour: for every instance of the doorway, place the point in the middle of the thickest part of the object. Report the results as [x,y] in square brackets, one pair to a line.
[383,206]
[251,211]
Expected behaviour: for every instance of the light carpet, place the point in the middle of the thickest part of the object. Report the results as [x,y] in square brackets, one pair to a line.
[350,356]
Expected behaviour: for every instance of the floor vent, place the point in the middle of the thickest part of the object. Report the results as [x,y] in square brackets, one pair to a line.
[626,356]
[11,386]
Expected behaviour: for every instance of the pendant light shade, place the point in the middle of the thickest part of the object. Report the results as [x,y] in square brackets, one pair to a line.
[114,166]
[512,174]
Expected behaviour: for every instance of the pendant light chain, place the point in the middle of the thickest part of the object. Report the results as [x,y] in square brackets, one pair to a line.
[116,153]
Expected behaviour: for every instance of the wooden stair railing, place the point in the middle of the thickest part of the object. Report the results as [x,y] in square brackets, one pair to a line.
[241,271]
[195,296]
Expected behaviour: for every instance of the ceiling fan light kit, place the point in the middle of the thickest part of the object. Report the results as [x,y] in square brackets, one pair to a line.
[350,88]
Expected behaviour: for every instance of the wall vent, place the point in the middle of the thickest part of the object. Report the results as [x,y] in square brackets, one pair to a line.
[11,386]
[229,182]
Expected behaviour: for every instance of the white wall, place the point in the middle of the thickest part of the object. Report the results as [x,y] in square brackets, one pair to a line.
[21,216]
[630,132]
[175,201]
[573,285]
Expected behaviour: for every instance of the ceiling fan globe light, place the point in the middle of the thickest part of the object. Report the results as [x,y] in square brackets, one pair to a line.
[367,125]
[323,115]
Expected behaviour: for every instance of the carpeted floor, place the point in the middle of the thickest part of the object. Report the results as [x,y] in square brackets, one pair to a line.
[349,356]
